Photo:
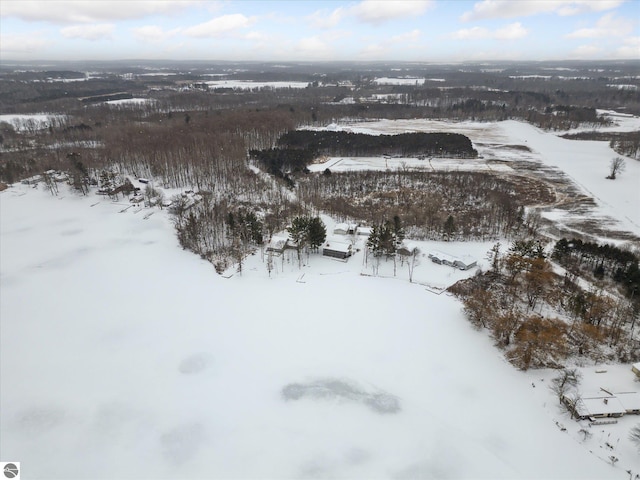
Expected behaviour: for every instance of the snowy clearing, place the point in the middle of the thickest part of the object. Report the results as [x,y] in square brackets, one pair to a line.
[24,122]
[585,163]
[143,363]
[250,85]
[349,164]
[130,101]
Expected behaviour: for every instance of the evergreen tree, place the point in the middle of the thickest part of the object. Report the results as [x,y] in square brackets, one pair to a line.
[449,227]
[316,232]
[373,242]
[398,230]
[298,231]
[387,239]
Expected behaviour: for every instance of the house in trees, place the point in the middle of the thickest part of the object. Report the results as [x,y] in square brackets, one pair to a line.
[337,249]
[277,245]
[463,263]
[442,258]
[408,249]
[345,229]
[363,231]
[32,180]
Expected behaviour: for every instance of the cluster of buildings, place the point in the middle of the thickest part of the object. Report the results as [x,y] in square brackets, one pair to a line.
[341,248]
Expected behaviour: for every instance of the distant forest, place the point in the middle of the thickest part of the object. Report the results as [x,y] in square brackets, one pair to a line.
[238,158]
[298,148]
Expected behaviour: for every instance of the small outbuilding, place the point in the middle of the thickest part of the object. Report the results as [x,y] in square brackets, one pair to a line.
[337,249]
[635,368]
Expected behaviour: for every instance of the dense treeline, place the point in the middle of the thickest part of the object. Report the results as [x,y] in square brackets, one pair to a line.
[281,161]
[602,261]
[341,143]
[298,148]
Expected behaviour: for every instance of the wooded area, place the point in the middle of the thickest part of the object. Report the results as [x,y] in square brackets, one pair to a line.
[242,154]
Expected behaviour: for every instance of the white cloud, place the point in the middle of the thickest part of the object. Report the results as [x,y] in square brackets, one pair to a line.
[323,19]
[89,32]
[412,36]
[512,31]
[256,36]
[153,33]
[220,26]
[370,11]
[607,26]
[374,51]
[586,52]
[96,11]
[487,9]
[630,49]
[313,48]
[380,11]
[22,44]
[473,33]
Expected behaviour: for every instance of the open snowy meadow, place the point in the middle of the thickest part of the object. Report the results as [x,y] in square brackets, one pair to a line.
[123,356]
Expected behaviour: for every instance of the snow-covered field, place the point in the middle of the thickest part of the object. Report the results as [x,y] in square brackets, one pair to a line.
[123,356]
[585,163]
[349,164]
[250,84]
[405,80]
[22,122]
[130,101]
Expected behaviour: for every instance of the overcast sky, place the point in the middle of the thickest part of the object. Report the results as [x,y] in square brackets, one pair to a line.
[429,30]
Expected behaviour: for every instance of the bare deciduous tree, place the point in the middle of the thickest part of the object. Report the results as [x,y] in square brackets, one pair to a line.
[616,166]
[566,380]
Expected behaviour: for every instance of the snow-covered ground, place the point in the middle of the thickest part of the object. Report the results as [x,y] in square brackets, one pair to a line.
[130,101]
[123,356]
[605,440]
[586,163]
[22,122]
[250,84]
[348,164]
[405,80]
